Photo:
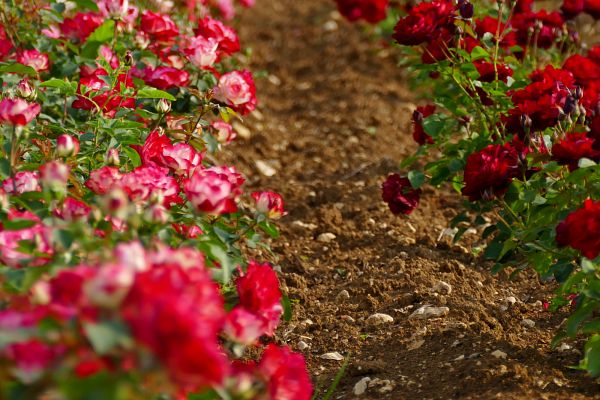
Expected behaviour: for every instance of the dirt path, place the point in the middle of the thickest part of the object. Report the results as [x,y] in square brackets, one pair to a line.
[334,121]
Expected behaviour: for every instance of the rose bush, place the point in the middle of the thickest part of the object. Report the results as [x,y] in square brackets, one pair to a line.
[121,259]
[513,124]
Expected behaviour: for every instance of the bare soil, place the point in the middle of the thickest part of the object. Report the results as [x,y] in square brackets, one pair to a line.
[333,121]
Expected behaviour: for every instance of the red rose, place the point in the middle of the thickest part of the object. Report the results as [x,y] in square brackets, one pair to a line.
[371,11]
[592,7]
[583,69]
[551,25]
[18,111]
[490,171]
[224,35]
[34,59]
[80,26]
[259,294]
[237,90]
[285,373]
[159,27]
[490,25]
[581,230]
[400,196]
[572,8]
[102,180]
[542,100]
[424,22]
[574,147]
[164,77]
[269,204]
[176,312]
[419,114]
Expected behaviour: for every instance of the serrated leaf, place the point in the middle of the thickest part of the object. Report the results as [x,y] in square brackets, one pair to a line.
[416,178]
[133,156]
[17,69]
[148,92]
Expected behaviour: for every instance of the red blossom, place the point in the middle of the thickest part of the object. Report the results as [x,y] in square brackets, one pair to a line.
[581,230]
[424,22]
[399,194]
[18,111]
[371,11]
[490,171]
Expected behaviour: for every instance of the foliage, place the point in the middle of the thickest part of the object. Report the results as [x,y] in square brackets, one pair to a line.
[120,240]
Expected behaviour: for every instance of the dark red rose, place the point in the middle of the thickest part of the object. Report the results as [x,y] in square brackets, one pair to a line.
[399,194]
[542,100]
[490,171]
[572,8]
[581,230]
[592,7]
[159,27]
[551,25]
[424,22]
[437,49]
[490,25]
[487,73]
[574,147]
[418,132]
[583,69]
[371,11]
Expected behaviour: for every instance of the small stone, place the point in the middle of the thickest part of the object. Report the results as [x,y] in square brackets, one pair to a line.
[361,386]
[425,312]
[305,225]
[348,319]
[379,318]
[241,130]
[264,168]
[528,323]
[537,304]
[442,287]
[502,369]
[326,237]
[415,345]
[564,347]
[302,345]
[460,358]
[499,354]
[511,300]
[335,356]
[342,296]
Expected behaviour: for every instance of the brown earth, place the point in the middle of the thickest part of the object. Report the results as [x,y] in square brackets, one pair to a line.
[333,121]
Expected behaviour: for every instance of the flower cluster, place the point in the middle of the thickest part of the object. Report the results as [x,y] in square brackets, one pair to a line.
[120,240]
[515,129]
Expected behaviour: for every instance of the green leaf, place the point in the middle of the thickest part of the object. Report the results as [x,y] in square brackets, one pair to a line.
[133,156]
[4,168]
[592,355]
[416,178]
[103,34]
[18,69]
[148,92]
[105,336]
[62,85]
[287,307]
[479,53]
[269,228]
[17,224]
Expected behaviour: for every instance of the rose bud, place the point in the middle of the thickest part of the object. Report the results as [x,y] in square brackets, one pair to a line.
[163,106]
[156,214]
[26,91]
[54,176]
[525,122]
[128,59]
[269,203]
[578,95]
[224,132]
[112,157]
[466,9]
[18,111]
[67,146]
